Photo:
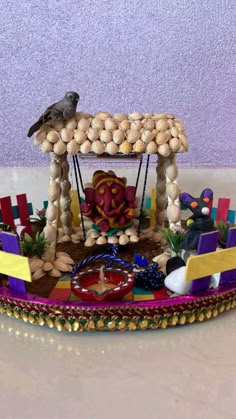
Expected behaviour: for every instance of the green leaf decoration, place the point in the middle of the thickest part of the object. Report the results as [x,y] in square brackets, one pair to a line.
[223,228]
[34,246]
[174,239]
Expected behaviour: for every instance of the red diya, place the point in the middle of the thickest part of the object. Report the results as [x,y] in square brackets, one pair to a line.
[102,285]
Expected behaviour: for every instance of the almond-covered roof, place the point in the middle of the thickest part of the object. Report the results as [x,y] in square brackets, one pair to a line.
[112,134]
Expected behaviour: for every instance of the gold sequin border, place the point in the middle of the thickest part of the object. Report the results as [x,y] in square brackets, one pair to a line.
[53,317]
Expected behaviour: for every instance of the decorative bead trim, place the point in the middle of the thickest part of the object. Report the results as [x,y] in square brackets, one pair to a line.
[72,320]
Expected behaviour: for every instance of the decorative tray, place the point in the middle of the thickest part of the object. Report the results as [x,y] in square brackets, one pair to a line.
[80,316]
[189,274]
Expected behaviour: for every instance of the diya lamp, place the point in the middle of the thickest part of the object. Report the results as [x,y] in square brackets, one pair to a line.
[104,284]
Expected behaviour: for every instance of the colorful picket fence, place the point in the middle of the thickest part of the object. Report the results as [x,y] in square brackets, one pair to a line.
[222,212]
[23,210]
[208,261]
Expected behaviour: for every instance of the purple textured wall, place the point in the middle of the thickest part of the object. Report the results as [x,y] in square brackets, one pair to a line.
[173,56]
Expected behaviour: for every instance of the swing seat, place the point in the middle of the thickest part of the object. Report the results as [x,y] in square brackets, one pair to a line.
[113,231]
[93,205]
[116,236]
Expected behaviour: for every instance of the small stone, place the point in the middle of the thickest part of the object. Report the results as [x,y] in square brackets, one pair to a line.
[38,274]
[59,254]
[123,239]
[75,240]
[48,266]
[66,238]
[174,263]
[55,273]
[133,238]
[89,242]
[101,240]
[66,259]
[112,240]
[176,282]
[130,231]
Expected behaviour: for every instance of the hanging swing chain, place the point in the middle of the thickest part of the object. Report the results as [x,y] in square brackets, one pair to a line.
[139,171]
[79,172]
[143,194]
[79,197]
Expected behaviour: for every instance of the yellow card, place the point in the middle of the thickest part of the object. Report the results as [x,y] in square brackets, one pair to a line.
[15,265]
[210,263]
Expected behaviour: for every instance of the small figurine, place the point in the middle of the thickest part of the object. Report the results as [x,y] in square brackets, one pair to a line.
[109,202]
[200,222]
[64,109]
[140,260]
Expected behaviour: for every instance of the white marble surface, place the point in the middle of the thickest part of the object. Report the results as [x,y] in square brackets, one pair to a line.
[186,372]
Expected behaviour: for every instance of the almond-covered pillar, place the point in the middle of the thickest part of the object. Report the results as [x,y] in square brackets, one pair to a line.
[161,199]
[173,206]
[167,200]
[65,200]
[54,192]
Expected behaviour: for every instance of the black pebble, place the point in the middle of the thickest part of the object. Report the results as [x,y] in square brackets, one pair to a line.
[174,263]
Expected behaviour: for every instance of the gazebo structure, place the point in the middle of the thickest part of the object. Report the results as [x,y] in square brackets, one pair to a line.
[161,134]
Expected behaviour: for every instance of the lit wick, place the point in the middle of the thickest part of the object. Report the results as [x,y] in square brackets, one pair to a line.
[102,279]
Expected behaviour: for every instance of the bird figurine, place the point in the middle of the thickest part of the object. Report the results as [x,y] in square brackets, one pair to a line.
[64,109]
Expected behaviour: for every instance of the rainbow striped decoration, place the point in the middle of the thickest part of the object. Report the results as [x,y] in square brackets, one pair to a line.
[150,206]
[222,212]
[62,291]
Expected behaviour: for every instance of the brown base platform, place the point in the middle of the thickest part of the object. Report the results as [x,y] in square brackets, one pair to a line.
[43,287]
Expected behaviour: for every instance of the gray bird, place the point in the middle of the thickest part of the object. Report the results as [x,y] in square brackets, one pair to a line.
[63,109]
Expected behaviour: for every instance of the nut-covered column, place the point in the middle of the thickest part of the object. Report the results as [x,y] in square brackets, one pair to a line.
[54,191]
[65,200]
[167,191]
[172,189]
[161,199]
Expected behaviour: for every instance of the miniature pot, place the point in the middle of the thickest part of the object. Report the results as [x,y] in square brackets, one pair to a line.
[84,285]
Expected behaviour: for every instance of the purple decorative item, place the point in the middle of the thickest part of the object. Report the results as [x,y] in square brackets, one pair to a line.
[185,198]
[207,193]
[10,245]
[200,222]
[207,243]
[229,276]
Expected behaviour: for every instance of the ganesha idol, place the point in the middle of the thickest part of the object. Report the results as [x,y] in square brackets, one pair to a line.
[109,203]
